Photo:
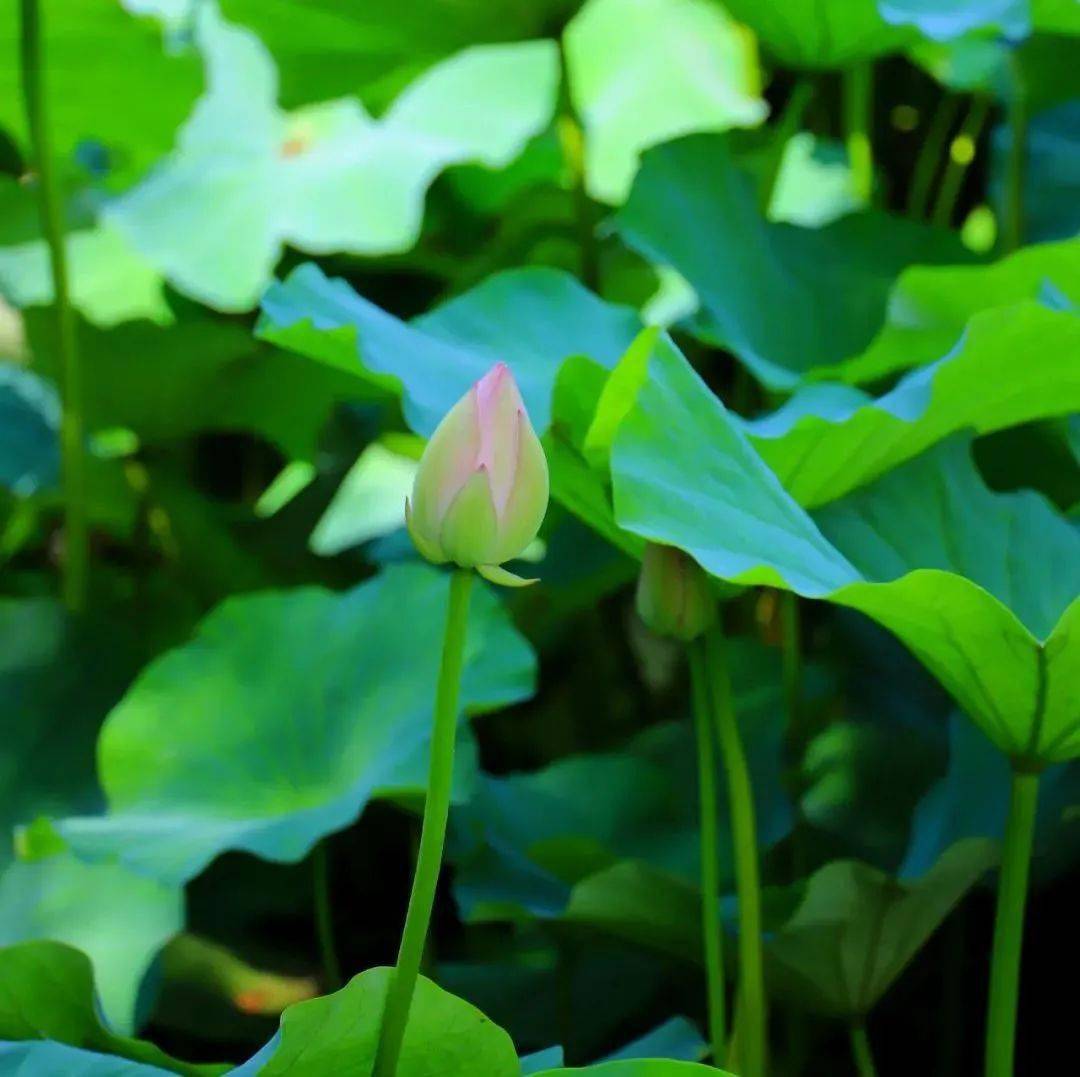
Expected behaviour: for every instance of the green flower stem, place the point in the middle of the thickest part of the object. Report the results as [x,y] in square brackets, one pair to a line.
[73,461]
[324,924]
[956,169]
[433,832]
[1009,924]
[858,117]
[752,1011]
[788,125]
[861,1054]
[929,159]
[710,865]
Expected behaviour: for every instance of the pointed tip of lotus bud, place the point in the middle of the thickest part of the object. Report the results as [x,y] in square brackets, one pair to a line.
[674,594]
[481,489]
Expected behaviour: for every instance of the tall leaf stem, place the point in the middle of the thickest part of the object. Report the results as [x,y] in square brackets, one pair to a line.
[432,833]
[1012,226]
[789,123]
[961,154]
[930,154]
[861,1054]
[72,456]
[752,1010]
[858,94]
[324,925]
[1009,924]
[710,865]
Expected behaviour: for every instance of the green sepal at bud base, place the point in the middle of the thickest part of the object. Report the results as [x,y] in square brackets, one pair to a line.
[481,488]
[675,596]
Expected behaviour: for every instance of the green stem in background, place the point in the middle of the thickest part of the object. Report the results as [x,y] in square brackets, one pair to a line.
[858,121]
[1012,226]
[710,865]
[789,123]
[324,924]
[752,1011]
[433,832]
[930,154]
[1009,924]
[73,460]
[961,154]
[861,1054]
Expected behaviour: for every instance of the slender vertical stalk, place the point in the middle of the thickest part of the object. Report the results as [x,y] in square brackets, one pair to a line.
[73,462]
[858,117]
[961,155]
[710,866]
[1012,226]
[324,924]
[752,1029]
[433,832]
[789,123]
[861,1054]
[929,159]
[1009,924]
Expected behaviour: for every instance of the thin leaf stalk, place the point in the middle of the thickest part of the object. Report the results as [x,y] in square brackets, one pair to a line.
[861,1053]
[324,924]
[72,453]
[432,833]
[858,105]
[753,1014]
[711,929]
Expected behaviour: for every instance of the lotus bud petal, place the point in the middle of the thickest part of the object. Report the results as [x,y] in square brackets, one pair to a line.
[481,490]
[674,595]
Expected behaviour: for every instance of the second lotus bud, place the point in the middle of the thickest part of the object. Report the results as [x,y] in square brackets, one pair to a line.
[674,594]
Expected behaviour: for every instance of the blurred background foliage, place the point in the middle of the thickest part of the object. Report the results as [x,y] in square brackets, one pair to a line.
[287,225]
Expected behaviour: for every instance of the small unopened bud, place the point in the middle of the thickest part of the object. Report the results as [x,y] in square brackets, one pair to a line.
[481,489]
[674,595]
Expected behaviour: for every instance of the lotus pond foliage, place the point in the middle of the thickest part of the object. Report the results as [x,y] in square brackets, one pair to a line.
[746,333]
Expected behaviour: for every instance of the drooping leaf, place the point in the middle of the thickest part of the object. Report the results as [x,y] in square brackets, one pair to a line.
[45,1057]
[247,178]
[857,928]
[120,920]
[975,584]
[930,306]
[820,34]
[299,706]
[643,72]
[129,108]
[49,995]
[784,299]
[828,440]
[339,1033]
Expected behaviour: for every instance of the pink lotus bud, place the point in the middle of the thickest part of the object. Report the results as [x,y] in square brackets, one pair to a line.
[674,595]
[481,490]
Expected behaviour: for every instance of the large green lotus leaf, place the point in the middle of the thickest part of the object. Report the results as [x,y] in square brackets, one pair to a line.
[930,306]
[1012,364]
[525,843]
[330,48]
[59,676]
[120,920]
[972,582]
[339,1033]
[110,283]
[247,178]
[531,319]
[784,299]
[820,34]
[643,72]
[857,928]
[29,431]
[298,707]
[45,1057]
[109,80]
[202,373]
[954,18]
[47,993]
[640,1067]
